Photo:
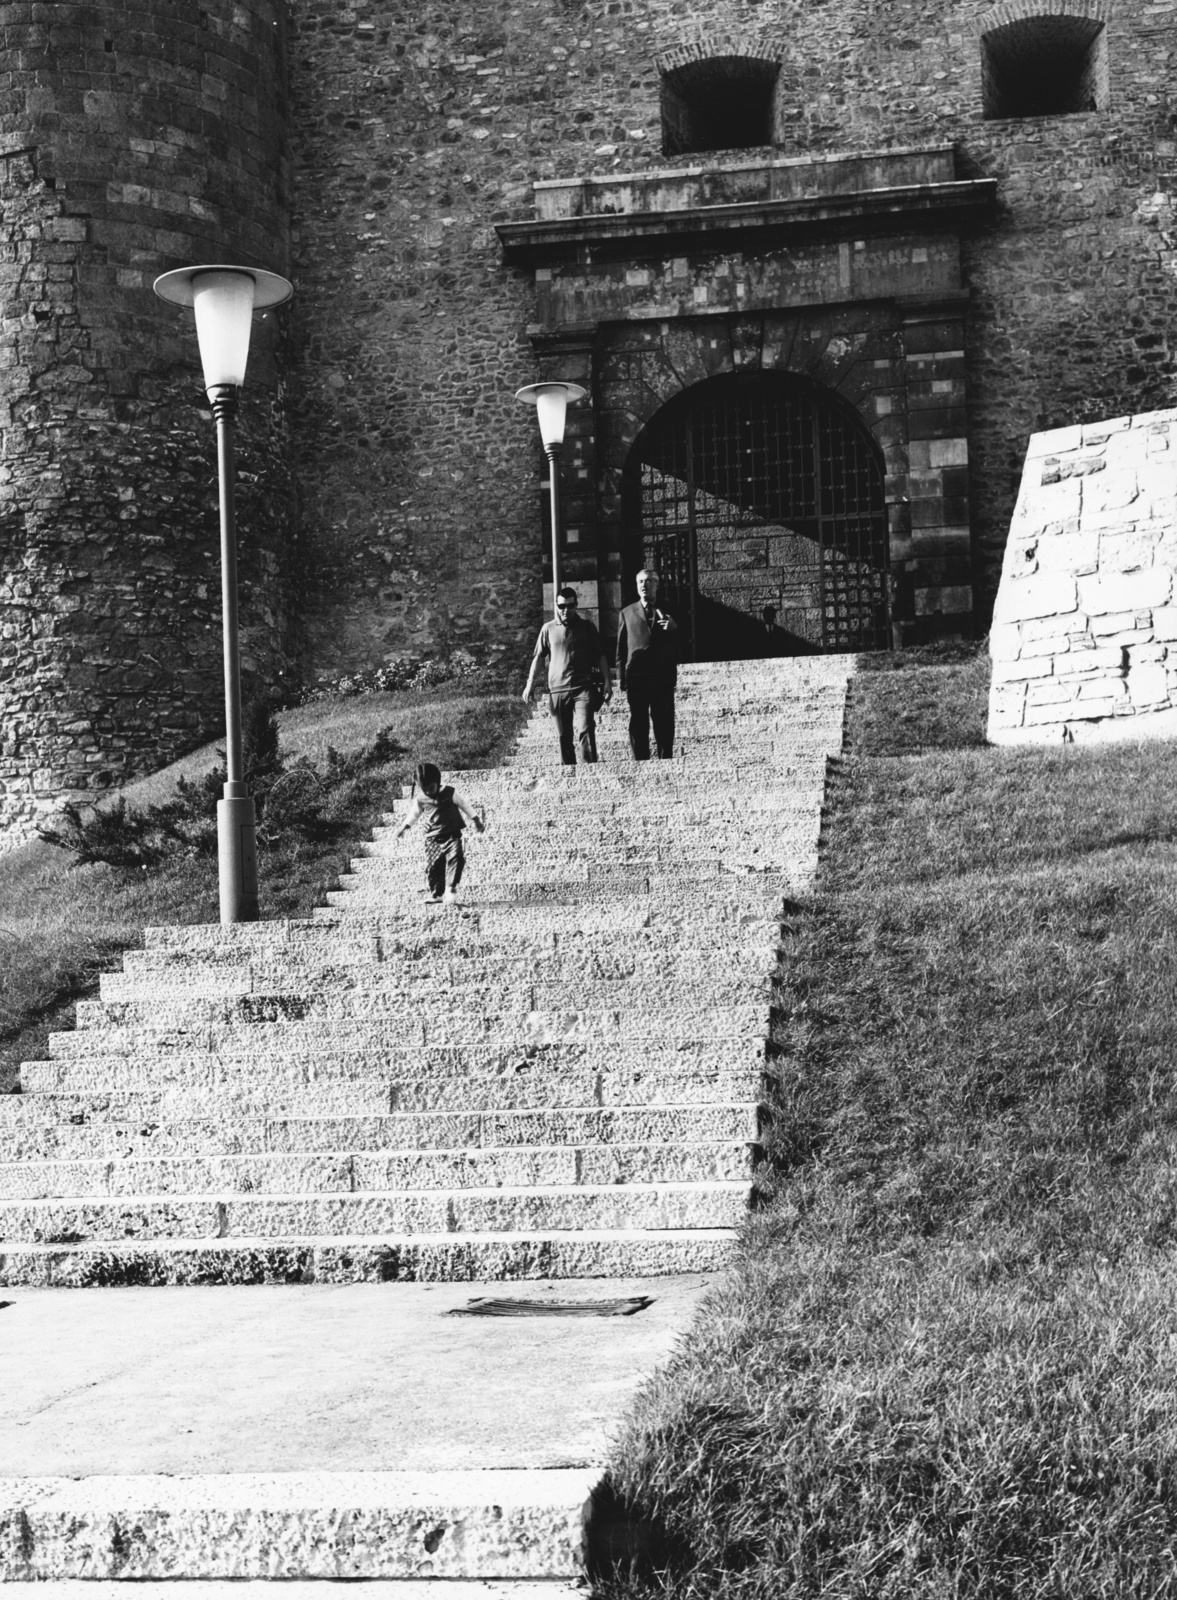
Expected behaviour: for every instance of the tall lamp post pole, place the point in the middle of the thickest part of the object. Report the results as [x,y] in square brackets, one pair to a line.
[224,300]
[551,401]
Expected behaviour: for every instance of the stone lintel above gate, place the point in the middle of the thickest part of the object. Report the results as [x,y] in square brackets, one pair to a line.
[746,207]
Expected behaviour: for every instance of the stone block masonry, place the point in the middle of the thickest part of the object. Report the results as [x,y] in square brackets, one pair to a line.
[372,148]
[416,133]
[133,138]
[1084,639]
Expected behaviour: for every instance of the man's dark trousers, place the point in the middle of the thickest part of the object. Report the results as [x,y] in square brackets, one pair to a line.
[573,711]
[651,699]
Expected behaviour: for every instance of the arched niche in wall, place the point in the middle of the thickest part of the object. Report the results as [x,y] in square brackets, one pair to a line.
[1038,60]
[720,102]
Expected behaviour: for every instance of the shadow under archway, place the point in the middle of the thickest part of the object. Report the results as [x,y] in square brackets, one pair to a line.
[759,490]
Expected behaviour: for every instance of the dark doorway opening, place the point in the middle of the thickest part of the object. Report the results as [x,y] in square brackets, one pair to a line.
[754,491]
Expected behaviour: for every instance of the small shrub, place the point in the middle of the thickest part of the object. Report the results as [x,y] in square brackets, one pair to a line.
[407,672]
[115,835]
[301,801]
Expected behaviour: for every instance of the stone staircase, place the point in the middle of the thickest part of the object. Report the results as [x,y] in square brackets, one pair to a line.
[557,1077]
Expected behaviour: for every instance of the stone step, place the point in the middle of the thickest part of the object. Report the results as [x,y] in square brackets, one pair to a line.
[511,832]
[640,783]
[536,803]
[511,1166]
[314,1526]
[401,862]
[613,814]
[295,1588]
[750,917]
[501,881]
[645,895]
[646,954]
[338,936]
[435,1258]
[393,1131]
[463,1022]
[225,1056]
[540,1208]
[512,991]
[195,1082]
[696,723]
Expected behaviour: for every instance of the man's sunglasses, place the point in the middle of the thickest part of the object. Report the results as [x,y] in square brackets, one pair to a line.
[566,605]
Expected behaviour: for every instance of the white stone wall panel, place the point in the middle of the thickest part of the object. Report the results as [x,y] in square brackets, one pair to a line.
[1084,642]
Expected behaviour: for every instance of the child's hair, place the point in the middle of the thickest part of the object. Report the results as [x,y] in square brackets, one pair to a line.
[428,779]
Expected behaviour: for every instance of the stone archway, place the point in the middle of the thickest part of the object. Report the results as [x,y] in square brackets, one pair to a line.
[754,490]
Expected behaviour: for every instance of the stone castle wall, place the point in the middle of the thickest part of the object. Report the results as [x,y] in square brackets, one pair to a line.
[391,486]
[420,128]
[133,138]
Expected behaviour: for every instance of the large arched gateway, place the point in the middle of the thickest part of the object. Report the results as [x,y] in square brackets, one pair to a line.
[762,489]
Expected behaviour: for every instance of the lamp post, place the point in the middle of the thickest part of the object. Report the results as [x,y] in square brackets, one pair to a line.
[224,300]
[551,401]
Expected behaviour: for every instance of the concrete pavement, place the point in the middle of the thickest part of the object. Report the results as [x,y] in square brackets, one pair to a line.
[236,1430]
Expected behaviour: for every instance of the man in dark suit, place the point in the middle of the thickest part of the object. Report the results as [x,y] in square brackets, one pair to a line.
[647,669]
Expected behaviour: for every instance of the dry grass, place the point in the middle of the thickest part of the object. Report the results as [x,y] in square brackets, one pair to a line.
[944,1365]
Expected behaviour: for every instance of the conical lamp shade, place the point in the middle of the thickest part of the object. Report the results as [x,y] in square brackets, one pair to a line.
[551,406]
[223,303]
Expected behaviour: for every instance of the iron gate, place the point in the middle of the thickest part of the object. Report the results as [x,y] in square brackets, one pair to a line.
[764,491]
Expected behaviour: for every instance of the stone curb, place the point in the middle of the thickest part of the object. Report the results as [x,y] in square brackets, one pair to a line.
[526,1524]
[449,1258]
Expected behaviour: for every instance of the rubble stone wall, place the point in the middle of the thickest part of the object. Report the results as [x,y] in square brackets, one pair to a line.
[395,135]
[418,128]
[1084,639]
[133,138]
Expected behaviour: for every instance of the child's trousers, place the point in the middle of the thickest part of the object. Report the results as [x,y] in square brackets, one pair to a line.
[444,866]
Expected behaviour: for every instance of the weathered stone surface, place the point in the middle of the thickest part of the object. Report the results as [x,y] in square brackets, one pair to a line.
[295,1525]
[553,1088]
[1081,648]
[109,594]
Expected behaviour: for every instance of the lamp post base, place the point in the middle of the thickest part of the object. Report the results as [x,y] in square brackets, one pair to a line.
[237,855]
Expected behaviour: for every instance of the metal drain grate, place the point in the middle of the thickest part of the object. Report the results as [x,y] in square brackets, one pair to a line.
[553,1308]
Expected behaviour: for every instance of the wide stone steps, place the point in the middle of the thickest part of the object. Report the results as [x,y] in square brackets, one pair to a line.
[507,1166]
[558,1076]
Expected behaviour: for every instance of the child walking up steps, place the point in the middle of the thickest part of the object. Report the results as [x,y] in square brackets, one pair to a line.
[444,813]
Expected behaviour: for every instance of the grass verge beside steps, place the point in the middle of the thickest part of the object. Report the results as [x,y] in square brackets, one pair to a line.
[945,1363]
[60,927]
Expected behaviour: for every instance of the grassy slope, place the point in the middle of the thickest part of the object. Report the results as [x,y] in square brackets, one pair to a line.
[945,1363]
[60,927]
